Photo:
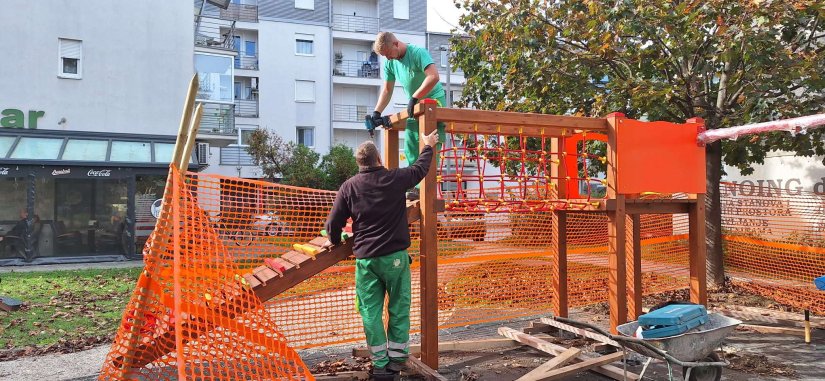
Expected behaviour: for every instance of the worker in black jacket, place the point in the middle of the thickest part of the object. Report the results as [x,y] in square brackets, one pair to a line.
[375,200]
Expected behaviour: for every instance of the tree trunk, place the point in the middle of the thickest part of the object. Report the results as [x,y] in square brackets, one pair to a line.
[713,214]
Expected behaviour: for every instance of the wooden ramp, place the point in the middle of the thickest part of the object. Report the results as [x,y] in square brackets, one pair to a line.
[279,274]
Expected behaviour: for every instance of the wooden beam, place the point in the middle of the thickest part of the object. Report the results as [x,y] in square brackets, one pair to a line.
[582,366]
[428,249]
[555,349]
[581,332]
[422,369]
[389,139]
[516,119]
[540,372]
[559,269]
[634,269]
[464,346]
[617,286]
[698,251]
[774,330]
[487,128]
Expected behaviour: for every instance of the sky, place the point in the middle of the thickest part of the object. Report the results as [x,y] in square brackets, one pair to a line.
[442,15]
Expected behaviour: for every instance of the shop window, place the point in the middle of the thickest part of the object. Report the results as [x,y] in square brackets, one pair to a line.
[85,150]
[70,54]
[163,152]
[135,152]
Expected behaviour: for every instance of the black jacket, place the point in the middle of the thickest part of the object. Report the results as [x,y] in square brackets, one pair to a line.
[375,199]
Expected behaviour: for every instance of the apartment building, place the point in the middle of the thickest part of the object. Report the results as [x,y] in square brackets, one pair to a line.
[89,108]
[301,68]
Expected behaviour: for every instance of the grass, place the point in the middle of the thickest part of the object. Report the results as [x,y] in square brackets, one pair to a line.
[63,309]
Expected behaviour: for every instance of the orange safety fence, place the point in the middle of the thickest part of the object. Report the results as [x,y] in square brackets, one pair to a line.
[492,266]
[191,315]
[774,240]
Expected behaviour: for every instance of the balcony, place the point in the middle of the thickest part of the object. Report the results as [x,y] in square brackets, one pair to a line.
[246,62]
[237,156]
[240,12]
[349,113]
[352,68]
[214,33]
[359,24]
[218,119]
[246,108]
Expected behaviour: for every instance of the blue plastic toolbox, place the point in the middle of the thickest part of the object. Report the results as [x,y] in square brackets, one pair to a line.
[673,330]
[674,314]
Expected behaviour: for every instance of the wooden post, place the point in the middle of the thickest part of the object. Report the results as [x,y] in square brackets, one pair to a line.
[616,230]
[389,139]
[428,248]
[558,172]
[698,251]
[634,270]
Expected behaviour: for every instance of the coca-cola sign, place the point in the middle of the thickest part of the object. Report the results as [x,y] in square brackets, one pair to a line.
[99,173]
[58,172]
[4,171]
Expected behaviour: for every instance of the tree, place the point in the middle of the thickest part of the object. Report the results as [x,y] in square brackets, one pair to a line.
[728,62]
[294,164]
[338,165]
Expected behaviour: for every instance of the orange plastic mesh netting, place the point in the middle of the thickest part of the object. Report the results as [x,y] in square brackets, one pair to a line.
[191,315]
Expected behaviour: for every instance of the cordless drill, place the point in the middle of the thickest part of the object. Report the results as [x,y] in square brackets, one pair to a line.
[372,123]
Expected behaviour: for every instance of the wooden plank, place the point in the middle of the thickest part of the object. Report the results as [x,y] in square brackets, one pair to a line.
[389,138]
[318,242]
[296,258]
[422,369]
[286,265]
[520,119]
[539,373]
[554,349]
[428,250]
[764,315]
[275,264]
[488,128]
[465,346]
[536,327]
[582,366]
[581,332]
[698,252]
[775,330]
[252,280]
[265,274]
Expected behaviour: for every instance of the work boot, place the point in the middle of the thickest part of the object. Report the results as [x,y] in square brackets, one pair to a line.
[382,374]
[412,194]
[397,366]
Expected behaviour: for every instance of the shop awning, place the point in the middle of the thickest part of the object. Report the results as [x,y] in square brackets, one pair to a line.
[46,147]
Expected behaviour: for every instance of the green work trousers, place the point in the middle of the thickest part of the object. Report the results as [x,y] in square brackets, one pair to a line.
[411,139]
[375,278]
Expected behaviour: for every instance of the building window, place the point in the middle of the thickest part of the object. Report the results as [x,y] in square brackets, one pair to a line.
[244,133]
[304,44]
[305,136]
[401,9]
[443,58]
[304,91]
[251,49]
[305,4]
[71,53]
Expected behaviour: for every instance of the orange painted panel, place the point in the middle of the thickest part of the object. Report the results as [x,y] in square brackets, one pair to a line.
[659,157]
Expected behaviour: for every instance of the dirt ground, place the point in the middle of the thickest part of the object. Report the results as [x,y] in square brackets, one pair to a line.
[753,356]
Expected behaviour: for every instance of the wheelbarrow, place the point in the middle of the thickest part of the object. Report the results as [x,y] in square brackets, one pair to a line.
[692,350]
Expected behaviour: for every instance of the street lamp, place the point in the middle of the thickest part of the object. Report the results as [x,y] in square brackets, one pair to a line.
[446,48]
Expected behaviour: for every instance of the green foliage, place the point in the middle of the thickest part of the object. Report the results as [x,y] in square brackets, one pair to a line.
[297,165]
[338,165]
[729,62]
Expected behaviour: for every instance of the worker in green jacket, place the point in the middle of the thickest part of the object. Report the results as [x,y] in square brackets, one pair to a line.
[413,67]
[374,199]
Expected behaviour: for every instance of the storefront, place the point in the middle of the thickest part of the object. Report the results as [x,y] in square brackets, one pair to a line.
[78,197]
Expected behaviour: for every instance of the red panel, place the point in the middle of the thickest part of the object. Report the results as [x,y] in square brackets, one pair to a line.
[659,157]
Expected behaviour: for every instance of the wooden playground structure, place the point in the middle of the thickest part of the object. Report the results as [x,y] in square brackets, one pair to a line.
[675,164]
